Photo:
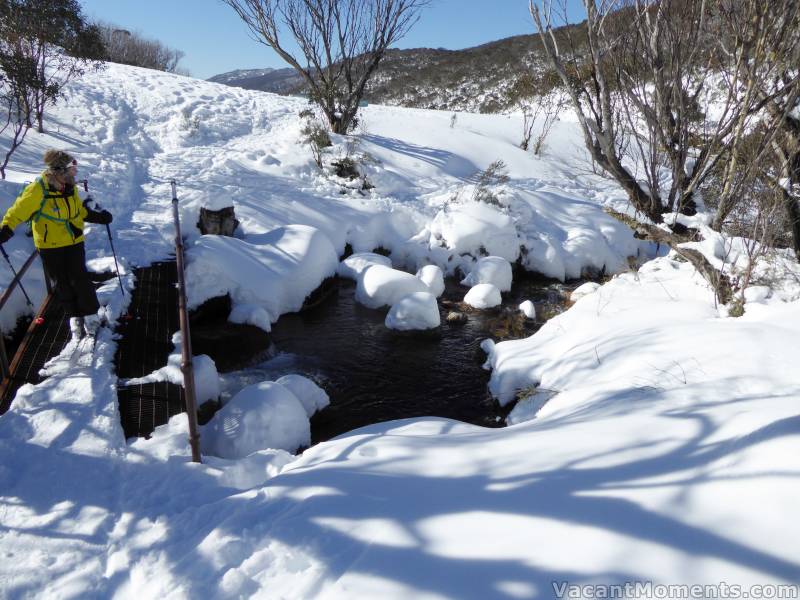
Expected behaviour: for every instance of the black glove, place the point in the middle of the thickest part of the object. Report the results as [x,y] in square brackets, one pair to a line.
[102,217]
[6,233]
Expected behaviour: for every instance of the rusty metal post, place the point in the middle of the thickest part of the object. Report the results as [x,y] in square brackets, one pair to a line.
[186,341]
[4,369]
[16,281]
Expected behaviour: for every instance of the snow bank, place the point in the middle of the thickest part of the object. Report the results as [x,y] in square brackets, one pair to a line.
[389,230]
[263,416]
[381,286]
[352,266]
[275,271]
[590,287]
[433,277]
[490,269]
[415,311]
[566,237]
[474,227]
[483,295]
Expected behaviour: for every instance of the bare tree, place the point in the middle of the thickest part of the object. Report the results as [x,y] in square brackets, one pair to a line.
[583,66]
[341,43]
[56,38]
[131,48]
[541,100]
[651,71]
[787,181]
[16,83]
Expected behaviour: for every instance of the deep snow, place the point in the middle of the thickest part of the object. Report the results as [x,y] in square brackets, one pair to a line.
[658,445]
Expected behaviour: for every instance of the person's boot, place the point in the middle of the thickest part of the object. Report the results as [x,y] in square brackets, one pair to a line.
[91,323]
[76,328]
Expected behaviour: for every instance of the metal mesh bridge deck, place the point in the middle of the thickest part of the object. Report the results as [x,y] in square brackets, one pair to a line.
[145,344]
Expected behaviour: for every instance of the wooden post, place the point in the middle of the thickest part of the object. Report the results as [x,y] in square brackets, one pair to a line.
[187,367]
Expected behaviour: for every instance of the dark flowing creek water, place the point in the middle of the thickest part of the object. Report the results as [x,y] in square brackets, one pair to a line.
[374,374]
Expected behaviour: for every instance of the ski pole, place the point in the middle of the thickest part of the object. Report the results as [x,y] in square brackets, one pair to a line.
[108,231]
[16,276]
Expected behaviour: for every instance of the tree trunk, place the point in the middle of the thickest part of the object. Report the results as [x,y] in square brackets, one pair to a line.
[719,282]
[793,211]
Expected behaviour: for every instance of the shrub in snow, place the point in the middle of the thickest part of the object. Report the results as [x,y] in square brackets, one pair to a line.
[352,266]
[490,269]
[496,174]
[483,295]
[432,276]
[415,311]
[311,396]
[315,134]
[261,416]
[590,287]
[381,286]
[528,309]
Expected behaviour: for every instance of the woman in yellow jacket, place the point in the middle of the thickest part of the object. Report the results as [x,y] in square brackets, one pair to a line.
[57,216]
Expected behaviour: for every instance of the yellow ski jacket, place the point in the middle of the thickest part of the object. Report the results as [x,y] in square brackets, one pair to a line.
[56,219]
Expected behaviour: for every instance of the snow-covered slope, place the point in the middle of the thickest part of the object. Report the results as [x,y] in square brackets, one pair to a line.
[666,452]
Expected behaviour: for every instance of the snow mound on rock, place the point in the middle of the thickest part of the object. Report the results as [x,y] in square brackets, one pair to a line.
[433,277]
[490,269]
[590,287]
[261,416]
[311,396]
[466,228]
[275,270]
[528,308]
[483,295]
[352,266]
[415,311]
[381,286]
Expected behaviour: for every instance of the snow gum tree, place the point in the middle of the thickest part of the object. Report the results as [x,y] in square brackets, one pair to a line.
[666,92]
[55,37]
[339,43]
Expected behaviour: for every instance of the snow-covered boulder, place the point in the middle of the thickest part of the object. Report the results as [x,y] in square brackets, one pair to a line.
[433,277]
[490,269]
[590,287]
[275,270]
[263,415]
[528,308]
[483,295]
[415,311]
[352,266]
[381,286]
[466,228]
[311,396]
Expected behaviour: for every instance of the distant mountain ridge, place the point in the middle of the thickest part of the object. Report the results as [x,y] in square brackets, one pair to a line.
[475,79]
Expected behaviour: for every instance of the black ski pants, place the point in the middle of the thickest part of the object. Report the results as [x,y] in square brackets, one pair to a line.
[66,268]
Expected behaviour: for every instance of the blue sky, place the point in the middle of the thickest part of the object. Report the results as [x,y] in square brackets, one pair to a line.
[215,40]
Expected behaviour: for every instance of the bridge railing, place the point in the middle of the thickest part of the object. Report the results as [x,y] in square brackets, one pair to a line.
[187,367]
[4,368]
